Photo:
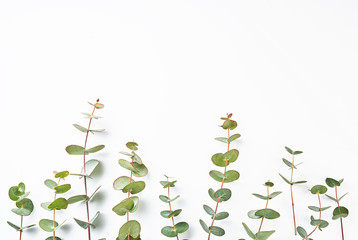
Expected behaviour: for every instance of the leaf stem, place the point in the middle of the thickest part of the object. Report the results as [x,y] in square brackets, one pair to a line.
[54,213]
[293,204]
[84,170]
[170,207]
[267,201]
[22,219]
[129,194]
[320,214]
[339,209]
[222,184]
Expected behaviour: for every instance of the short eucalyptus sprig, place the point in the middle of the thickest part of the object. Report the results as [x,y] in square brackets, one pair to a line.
[24,206]
[339,212]
[49,225]
[181,227]
[292,166]
[131,229]
[222,194]
[87,168]
[262,214]
[317,223]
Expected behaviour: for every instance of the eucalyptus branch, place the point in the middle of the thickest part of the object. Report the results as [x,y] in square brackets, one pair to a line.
[24,206]
[265,213]
[223,194]
[317,223]
[181,227]
[292,166]
[339,212]
[49,225]
[131,229]
[87,168]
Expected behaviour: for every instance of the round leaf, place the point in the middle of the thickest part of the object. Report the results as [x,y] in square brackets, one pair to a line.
[168,231]
[140,170]
[26,204]
[218,160]
[231,156]
[123,207]
[131,228]
[181,227]
[62,188]
[132,145]
[58,204]
[267,213]
[134,187]
[217,231]
[320,189]
[121,182]
[75,150]
[48,225]
[62,174]
[332,182]
[340,212]
[224,194]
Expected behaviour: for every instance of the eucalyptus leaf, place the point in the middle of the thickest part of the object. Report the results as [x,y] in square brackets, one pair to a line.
[79,127]
[131,228]
[231,156]
[332,182]
[209,210]
[263,235]
[222,139]
[217,231]
[95,149]
[224,194]
[204,226]
[267,213]
[132,146]
[221,215]
[75,150]
[77,198]
[48,225]
[248,231]
[302,232]
[62,174]
[13,226]
[340,212]
[233,137]
[50,183]
[123,207]
[121,182]
[62,188]
[134,187]
[90,166]
[58,204]
[229,124]
[181,227]
[169,231]
[320,189]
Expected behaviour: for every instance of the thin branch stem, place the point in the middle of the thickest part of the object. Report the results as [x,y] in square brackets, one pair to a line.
[170,207]
[339,209]
[54,213]
[22,219]
[267,201]
[320,214]
[293,204]
[84,169]
[222,185]
[129,194]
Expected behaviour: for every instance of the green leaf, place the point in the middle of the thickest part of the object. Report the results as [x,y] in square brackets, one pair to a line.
[95,149]
[121,182]
[48,225]
[252,215]
[332,182]
[216,175]
[62,174]
[222,139]
[21,211]
[320,189]
[212,195]
[75,150]
[289,150]
[81,223]
[332,198]
[140,170]
[45,206]
[131,228]
[123,207]
[167,184]
[269,184]
[63,188]
[340,212]
[181,227]
[224,194]
[267,213]
[274,194]
[51,238]
[231,156]
[209,210]
[135,199]
[248,231]
[218,160]
[79,127]
[302,232]
[13,193]
[134,187]
[14,226]
[204,226]
[127,154]
[28,226]
[285,179]
[58,204]
[342,197]
[136,158]
[96,130]
[125,164]
[93,194]
[229,124]
[21,188]
[234,137]
[297,152]
[318,222]
[230,176]
[90,166]
[288,163]
[169,231]
[50,183]
[260,196]
[132,146]
[263,235]
[221,215]
[298,182]
[77,198]
[217,231]
[26,205]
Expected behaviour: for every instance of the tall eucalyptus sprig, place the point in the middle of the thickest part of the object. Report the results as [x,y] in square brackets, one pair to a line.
[265,213]
[292,166]
[317,223]
[131,229]
[339,212]
[24,206]
[222,194]
[87,168]
[181,227]
[49,225]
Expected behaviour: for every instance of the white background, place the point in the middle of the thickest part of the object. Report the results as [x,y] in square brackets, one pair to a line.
[166,72]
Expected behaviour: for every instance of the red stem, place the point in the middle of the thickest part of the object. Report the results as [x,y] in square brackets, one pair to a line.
[22,219]
[339,209]
[222,185]
[84,169]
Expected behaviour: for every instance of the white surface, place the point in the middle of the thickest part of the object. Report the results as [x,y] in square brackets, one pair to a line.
[166,72]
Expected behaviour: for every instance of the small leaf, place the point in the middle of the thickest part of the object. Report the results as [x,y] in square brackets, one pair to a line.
[297,152]
[224,194]
[81,223]
[121,182]
[48,225]
[99,105]
[204,226]
[131,228]
[62,174]
[93,194]
[14,226]
[229,124]
[231,156]
[79,127]
[136,158]
[320,189]
[14,193]
[127,154]
[302,232]
[233,137]
[181,227]
[21,211]
[125,164]
[208,210]
[123,207]
[252,215]
[298,182]
[269,184]
[62,188]
[332,182]
[260,196]
[288,163]
[332,198]
[169,231]
[75,150]
[140,170]
[94,218]
[248,231]
[274,194]
[77,198]
[289,150]
[134,187]
[58,204]
[51,184]
[222,139]
[342,197]
[267,213]
[221,215]
[45,206]
[263,235]
[95,149]
[90,166]
[211,194]
[318,222]
[217,231]
[132,146]
[340,212]
[285,179]
[27,205]
[218,160]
